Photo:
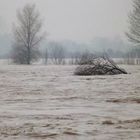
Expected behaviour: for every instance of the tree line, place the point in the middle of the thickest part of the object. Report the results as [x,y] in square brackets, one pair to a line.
[28,34]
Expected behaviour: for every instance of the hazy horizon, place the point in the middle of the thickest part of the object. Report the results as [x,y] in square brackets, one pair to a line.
[76,20]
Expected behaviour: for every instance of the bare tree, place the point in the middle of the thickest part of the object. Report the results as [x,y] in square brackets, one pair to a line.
[57,53]
[134,24]
[46,55]
[27,35]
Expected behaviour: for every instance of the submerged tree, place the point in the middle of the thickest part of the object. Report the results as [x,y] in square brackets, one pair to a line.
[134,24]
[27,35]
[91,64]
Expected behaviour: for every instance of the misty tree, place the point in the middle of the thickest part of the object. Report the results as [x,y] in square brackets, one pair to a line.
[75,57]
[46,55]
[27,35]
[134,24]
[57,53]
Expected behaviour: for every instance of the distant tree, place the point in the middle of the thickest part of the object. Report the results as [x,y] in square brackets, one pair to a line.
[57,53]
[27,35]
[46,55]
[134,24]
[75,57]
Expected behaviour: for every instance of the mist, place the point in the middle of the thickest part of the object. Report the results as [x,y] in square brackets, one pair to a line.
[85,22]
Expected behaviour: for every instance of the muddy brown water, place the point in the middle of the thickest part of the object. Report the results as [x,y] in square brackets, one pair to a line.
[49,102]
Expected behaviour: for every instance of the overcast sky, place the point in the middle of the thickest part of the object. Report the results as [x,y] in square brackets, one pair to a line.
[80,20]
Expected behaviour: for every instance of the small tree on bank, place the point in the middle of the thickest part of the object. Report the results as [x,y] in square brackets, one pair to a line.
[27,35]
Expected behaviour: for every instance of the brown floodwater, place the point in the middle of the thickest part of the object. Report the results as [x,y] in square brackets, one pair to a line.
[49,102]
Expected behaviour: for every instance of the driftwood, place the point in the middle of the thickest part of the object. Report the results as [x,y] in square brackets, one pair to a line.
[91,65]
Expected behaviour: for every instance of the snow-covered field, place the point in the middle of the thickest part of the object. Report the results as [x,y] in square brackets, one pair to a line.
[49,102]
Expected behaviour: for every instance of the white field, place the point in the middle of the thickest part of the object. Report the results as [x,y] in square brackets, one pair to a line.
[48,102]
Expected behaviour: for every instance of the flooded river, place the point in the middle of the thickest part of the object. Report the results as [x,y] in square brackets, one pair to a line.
[49,102]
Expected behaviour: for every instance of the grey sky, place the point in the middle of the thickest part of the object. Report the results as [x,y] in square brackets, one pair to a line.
[80,20]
